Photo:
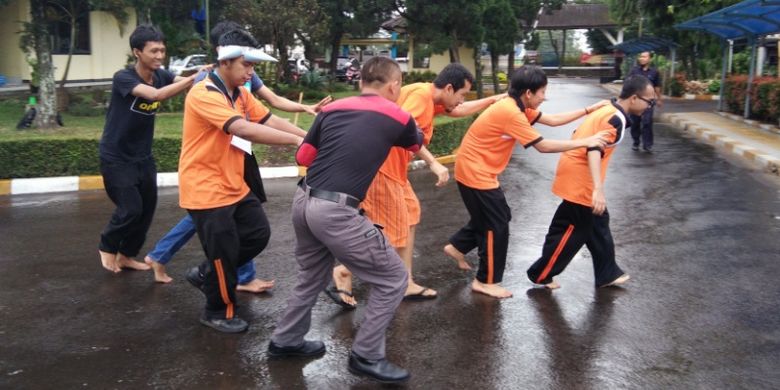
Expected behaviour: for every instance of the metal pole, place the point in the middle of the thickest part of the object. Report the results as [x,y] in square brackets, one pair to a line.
[731,56]
[208,24]
[725,61]
[671,70]
[750,76]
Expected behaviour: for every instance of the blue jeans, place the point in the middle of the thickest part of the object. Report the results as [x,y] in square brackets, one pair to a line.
[178,236]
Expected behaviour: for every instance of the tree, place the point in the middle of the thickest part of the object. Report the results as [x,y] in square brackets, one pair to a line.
[501,28]
[446,25]
[527,12]
[35,38]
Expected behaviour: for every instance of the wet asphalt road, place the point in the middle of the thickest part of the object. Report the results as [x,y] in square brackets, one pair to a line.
[699,235]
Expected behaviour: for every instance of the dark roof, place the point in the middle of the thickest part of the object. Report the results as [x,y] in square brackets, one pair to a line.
[643,44]
[575,16]
[397,24]
[748,19]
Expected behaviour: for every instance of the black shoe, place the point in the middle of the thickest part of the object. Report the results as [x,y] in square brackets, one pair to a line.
[224,325]
[635,148]
[307,349]
[196,278]
[648,150]
[381,370]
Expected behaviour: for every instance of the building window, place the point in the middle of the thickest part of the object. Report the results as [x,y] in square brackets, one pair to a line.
[59,16]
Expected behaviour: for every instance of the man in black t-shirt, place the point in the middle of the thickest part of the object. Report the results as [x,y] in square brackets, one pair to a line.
[344,149]
[126,162]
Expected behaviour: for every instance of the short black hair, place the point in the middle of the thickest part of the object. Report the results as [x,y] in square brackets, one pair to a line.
[220,29]
[526,78]
[455,74]
[380,70]
[238,37]
[634,85]
[145,33]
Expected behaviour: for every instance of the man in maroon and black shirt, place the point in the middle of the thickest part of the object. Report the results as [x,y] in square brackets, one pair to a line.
[344,149]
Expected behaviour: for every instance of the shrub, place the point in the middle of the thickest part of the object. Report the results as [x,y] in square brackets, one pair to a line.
[80,105]
[447,136]
[764,97]
[174,104]
[70,157]
[714,87]
[419,77]
[677,84]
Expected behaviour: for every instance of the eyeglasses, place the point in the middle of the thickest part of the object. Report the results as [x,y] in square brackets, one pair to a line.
[650,102]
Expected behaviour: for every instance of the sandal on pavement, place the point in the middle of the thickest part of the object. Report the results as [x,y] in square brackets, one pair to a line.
[334,294]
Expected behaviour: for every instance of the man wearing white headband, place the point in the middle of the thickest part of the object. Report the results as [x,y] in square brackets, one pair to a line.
[221,121]
[183,231]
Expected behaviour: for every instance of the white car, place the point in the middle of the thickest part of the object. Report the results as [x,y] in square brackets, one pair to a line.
[187,64]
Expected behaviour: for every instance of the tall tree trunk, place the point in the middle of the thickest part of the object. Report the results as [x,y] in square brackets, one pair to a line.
[510,64]
[478,72]
[554,44]
[46,118]
[494,71]
[334,54]
[72,46]
[455,47]
[563,51]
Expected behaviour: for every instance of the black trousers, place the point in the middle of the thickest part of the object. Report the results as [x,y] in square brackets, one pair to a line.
[487,230]
[230,236]
[133,189]
[572,226]
[642,129]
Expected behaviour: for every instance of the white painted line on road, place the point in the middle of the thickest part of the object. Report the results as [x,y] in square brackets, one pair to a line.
[44,184]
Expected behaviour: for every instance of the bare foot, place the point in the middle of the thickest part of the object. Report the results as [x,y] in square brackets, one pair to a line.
[126,262]
[552,285]
[109,261]
[617,282]
[493,290]
[342,278]
[256,286]
[451,251]
[159,271]
[415,291]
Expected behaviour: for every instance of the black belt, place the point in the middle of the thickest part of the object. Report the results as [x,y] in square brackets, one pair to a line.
[332,196]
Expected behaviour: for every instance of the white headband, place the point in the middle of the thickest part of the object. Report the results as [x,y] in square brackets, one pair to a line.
[250,54]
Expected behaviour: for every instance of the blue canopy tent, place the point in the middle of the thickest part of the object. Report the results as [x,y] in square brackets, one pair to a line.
[749,20]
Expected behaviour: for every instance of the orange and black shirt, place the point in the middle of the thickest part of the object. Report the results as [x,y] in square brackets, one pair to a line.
[416,99]
[573,181]
[211,169]
[488,144]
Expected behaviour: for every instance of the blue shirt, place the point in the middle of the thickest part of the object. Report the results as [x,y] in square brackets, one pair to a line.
[651,73]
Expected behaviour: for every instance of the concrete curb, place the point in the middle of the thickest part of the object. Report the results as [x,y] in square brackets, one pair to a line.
[712,136]
[44,185]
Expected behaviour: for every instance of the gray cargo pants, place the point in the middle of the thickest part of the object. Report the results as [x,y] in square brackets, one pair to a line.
[326,230]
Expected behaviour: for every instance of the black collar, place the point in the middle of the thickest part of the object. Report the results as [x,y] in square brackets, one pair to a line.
[619,107]
[519,103]
[222,88]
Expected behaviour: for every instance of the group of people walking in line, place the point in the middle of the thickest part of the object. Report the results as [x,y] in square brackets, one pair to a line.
[355,206]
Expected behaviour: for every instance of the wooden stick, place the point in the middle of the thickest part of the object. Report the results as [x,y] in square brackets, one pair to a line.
[300,99]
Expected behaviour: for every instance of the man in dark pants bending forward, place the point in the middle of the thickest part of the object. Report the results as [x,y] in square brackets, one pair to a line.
[344,148]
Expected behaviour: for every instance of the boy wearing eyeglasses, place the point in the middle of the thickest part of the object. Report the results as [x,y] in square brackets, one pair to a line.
[582,217]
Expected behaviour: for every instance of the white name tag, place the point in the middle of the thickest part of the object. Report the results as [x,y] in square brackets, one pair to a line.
[241,144]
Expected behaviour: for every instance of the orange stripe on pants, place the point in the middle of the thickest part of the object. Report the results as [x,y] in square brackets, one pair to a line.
[555,255]
[490,257]
[223,288]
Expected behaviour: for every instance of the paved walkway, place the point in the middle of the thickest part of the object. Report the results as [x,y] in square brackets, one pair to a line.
[755,143]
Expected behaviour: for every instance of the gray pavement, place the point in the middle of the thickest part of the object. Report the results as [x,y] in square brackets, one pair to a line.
[697,233]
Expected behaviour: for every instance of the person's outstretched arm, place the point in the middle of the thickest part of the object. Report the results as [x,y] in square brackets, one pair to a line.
[474,106]
[563,118]
[284,104]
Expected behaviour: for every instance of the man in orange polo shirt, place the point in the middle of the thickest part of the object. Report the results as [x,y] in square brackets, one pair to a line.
[582,217]
[221,120]
[391,201]
[484,153]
